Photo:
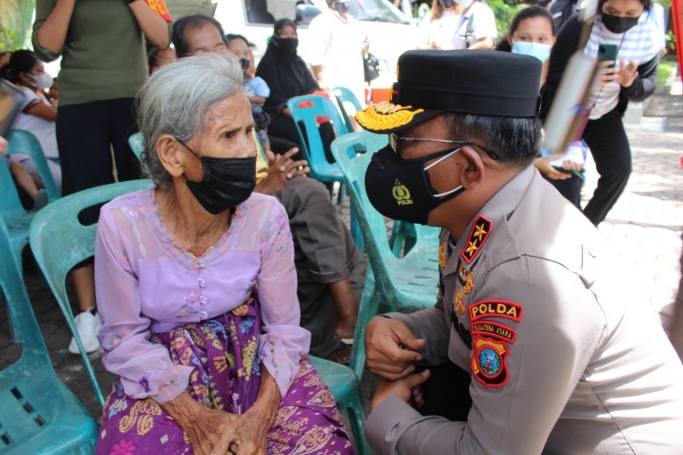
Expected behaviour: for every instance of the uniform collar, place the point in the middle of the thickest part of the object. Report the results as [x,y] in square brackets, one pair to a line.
[497,211]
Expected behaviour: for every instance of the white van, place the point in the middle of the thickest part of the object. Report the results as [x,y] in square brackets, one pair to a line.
[389,31]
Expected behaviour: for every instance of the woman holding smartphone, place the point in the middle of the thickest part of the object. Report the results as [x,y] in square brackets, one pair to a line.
[631,77]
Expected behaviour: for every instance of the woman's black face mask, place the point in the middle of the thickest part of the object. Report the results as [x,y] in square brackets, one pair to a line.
[617,24]
[401,189]
[227,182]
[286,45]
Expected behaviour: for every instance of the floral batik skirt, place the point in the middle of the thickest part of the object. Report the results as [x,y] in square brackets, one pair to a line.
[227,376]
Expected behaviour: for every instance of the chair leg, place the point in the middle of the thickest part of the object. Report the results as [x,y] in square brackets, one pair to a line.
[357,419]
[14,333]
[342,190]
[366,311]
[84,356]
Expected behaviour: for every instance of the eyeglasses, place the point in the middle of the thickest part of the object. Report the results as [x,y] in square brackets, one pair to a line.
[395,140]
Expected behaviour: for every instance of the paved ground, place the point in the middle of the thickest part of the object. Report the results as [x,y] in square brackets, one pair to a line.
[643,229]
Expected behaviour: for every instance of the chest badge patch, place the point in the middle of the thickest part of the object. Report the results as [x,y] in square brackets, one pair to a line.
[489,362]
[459,305]
[442,255]
[481,230]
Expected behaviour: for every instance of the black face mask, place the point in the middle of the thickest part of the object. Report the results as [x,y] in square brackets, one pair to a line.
[616,24]
[446,3]
[401,189]
[227,182]
[286,45]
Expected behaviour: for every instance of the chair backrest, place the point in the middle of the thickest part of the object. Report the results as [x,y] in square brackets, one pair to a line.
[344,95]
[307,109]
[19,306]
[76,242]
[21,141]
[371,221]
[137,144]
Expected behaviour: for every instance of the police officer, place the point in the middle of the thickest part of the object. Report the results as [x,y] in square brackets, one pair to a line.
[558,361]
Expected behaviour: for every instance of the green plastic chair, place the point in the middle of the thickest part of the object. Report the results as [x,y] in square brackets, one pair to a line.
[38,413]
[76,243]
[409,282]
[343,94]
[16,218]
[345,388]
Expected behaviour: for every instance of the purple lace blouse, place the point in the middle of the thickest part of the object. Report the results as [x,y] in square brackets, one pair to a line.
[147,283]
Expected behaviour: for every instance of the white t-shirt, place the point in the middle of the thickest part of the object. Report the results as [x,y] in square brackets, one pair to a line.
[640,44]
[337,45]
[43,130]
[478,22]
[440,31]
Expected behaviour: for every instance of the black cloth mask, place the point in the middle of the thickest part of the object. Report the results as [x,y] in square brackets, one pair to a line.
[446,3]
[401,189]
[227,182]
[617,24]
[286,45]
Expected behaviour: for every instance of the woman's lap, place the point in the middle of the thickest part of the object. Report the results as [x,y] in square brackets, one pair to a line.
[227,376]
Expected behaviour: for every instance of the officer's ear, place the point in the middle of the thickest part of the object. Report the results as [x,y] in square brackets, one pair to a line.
[474,171]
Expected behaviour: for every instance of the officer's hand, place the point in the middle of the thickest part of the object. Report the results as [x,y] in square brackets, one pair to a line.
[390,348]
[403,388]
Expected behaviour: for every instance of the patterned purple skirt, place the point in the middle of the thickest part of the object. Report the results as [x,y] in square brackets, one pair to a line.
[227,376]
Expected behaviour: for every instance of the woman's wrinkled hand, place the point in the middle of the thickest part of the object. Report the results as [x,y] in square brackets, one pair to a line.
[406,389]
[204,426]
[247,435]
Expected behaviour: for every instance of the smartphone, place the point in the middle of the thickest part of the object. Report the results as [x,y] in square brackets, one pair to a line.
[608,52]
[573,172]
[11,98]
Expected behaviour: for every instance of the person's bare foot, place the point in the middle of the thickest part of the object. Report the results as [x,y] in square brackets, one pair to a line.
[345,330]
[343,355]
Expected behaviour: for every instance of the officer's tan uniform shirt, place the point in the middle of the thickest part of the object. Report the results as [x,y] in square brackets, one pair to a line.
[560,363]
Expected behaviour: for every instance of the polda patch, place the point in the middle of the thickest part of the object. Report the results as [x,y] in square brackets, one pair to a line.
[496,308]
[489,362]
[480,232]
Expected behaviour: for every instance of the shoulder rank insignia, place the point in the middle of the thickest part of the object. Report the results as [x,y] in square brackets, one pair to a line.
[489,361]
[481,229]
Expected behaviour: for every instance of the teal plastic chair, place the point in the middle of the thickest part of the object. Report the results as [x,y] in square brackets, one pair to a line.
[76,243]
[38,413]
[344,95]
[409,282]
[345,388]
[16,218]
[137,144]
[306,109]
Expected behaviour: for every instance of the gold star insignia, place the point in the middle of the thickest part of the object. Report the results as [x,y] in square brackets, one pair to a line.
[459,306]
[471,248]
[480,232]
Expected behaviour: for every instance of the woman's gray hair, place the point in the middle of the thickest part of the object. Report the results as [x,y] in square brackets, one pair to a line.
[175,100]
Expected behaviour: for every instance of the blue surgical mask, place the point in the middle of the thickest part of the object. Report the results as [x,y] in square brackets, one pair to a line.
[538,50]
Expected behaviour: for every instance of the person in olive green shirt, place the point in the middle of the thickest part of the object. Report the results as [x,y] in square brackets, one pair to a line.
[104,64]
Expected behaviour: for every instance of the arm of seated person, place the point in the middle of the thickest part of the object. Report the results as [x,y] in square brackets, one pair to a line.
[483,43]
[257,99]
[44,111]
[280,169]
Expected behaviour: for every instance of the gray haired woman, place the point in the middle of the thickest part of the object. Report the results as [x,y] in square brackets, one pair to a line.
[197,288]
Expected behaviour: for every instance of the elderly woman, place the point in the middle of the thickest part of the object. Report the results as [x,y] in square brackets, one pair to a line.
[197,289]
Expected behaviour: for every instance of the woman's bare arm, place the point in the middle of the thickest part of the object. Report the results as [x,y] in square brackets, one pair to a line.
[153,26]
[52,33]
